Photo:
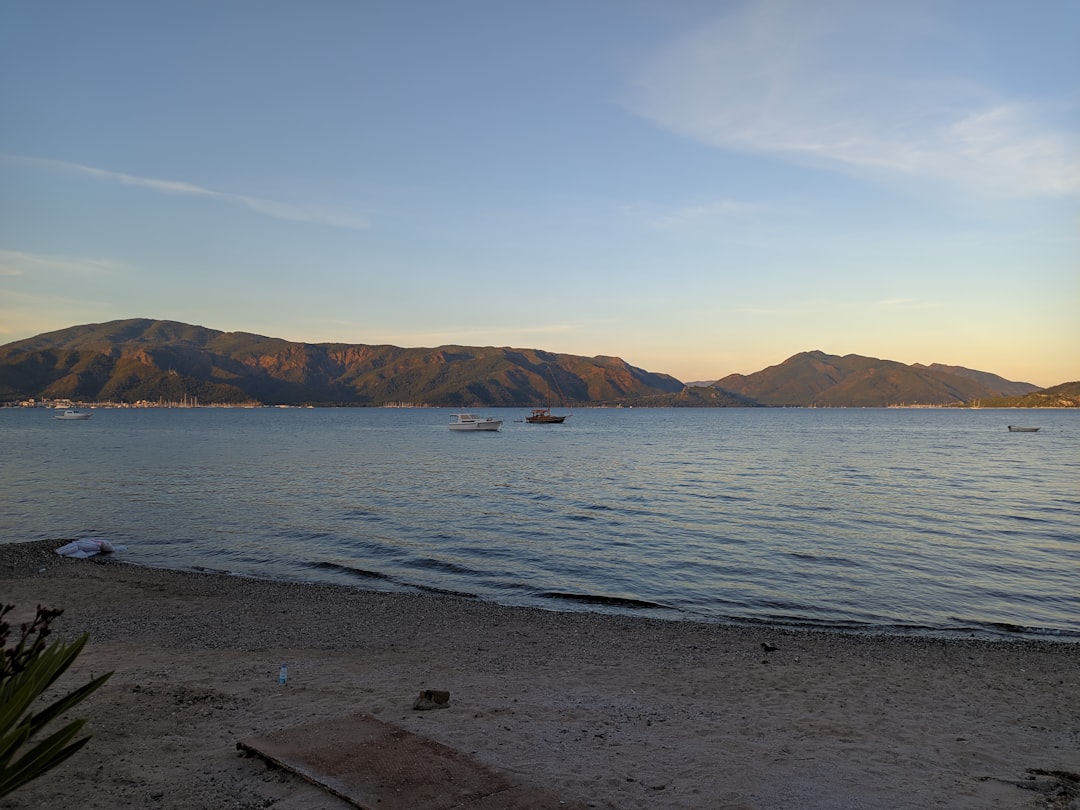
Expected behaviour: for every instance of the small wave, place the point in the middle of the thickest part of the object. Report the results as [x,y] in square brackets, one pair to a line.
[824,559]
[360,572]
[1007,627]
[204,569]
[441,566]
[599,599]
[1011,629]
[442,591]
[362,514]
[348,569]
[1027,519]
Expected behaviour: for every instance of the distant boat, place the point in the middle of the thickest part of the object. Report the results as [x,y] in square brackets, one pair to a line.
[72,414]
[544,416]
[1018,429]
[470,421]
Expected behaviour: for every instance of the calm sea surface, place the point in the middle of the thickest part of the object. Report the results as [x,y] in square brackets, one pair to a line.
[925,521]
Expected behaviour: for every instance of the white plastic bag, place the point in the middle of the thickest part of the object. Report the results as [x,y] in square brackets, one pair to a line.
[87,547]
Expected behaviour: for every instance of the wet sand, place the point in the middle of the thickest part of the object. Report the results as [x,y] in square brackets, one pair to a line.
[597,710]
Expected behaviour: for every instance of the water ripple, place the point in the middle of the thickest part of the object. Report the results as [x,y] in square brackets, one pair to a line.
[902,520]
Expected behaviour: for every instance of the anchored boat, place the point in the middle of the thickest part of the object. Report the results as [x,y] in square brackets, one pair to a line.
[470,421]
[72,414]
[544,416]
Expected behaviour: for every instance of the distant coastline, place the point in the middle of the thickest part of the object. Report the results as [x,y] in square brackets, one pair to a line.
[143,405]
[143,362]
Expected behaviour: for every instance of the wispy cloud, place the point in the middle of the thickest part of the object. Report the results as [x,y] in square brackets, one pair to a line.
[839,306]
[296,212]
[17,263]
[814,83]
[704,214]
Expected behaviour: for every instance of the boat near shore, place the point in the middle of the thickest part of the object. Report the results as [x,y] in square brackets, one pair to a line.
[72,415]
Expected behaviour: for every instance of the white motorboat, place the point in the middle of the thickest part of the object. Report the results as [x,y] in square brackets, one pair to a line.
[470,421]
[72,414]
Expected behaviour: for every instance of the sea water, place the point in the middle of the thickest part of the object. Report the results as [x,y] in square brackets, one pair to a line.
[931,521]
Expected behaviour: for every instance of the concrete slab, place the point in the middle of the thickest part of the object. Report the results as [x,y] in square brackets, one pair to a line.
[371,764]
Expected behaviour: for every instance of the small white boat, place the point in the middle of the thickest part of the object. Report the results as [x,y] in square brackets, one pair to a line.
[1018,429]
[470,421]
[72,414]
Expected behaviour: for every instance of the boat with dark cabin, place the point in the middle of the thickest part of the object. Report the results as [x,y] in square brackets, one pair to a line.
[544,416]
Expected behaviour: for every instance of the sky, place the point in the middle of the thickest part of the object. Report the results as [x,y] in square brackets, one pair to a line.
[698,187]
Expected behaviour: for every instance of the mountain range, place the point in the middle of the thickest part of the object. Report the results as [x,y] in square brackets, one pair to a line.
[151,360]
[823,380]
[165,361]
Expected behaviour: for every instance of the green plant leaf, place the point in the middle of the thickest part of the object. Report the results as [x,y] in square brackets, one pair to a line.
[37,762]
[65,703]
[23,684]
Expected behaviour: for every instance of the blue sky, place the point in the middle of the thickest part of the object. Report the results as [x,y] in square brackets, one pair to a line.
[699,188]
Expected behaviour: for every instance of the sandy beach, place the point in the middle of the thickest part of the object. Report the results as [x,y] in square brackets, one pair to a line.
[593,710]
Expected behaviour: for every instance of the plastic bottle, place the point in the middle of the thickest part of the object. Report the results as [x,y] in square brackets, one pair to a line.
[283,676]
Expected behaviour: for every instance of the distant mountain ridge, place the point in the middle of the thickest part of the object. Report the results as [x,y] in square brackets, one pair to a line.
[141,359]
[1066,395]
[817,379]
[144,359]
[991,381]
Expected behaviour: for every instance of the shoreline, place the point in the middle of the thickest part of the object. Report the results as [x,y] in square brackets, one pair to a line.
[597,709]
[601,605]
[597,604]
